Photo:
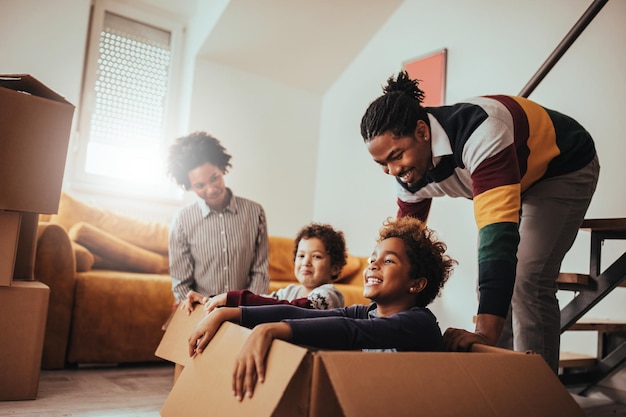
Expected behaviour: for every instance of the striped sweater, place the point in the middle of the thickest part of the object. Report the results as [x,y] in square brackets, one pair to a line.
[491,149]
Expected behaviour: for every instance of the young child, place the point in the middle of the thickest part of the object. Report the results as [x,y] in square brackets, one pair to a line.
[407,270]
[319,254]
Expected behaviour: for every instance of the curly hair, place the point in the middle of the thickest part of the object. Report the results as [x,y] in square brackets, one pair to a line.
[333,241]
[426,254]
[396,111]
[191,151]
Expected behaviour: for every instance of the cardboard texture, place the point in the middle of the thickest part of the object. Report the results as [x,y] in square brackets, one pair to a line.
[208,377]
[26,248]
[485,383]
[23,313]
[9,236]
[35,126]
[173,346]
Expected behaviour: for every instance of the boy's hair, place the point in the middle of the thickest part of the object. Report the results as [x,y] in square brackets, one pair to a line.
[190,152]
[333,241]
[425,253]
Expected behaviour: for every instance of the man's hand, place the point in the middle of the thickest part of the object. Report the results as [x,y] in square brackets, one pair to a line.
[190,302]
[488,329]
[460,340]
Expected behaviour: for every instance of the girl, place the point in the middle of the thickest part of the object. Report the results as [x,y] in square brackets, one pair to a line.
[407,270]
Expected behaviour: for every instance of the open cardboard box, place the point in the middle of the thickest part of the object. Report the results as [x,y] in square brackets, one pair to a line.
[302,382]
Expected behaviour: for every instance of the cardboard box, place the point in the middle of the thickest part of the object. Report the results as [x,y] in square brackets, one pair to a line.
[23,313]
[173,346]
[26,247]
[299,382]
[9,236]
[35,127]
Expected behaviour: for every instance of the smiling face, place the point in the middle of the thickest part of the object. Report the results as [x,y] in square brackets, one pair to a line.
[408,157]
[388,280]
[313,264]
[207,181]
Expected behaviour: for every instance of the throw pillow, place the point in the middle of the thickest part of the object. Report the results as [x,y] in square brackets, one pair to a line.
[117,253]
[147,235]
[84,258]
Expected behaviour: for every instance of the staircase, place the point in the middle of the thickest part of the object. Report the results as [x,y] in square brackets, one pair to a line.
[580,372]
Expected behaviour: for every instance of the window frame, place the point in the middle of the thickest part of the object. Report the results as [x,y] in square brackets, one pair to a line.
[83,181]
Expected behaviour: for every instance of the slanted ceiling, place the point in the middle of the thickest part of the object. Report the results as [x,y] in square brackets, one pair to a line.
[306,44]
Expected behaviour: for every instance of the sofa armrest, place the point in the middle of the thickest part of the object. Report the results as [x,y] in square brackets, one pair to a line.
[55,266]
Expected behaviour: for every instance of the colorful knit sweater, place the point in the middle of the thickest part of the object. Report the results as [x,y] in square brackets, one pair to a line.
[491,149]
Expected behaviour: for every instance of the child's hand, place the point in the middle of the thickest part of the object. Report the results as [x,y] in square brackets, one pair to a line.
[192,299]
[250,363]
[215,302]
[207,327]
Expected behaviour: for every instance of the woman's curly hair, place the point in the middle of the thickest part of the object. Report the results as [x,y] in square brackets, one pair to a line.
[192,151]
[426,254]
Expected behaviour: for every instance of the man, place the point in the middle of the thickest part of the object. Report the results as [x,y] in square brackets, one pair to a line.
[531,173]
[219,243]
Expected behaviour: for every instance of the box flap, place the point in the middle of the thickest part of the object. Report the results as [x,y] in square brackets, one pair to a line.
[35,128]
[446,384]
[28,84]
[204,387]
[174,346]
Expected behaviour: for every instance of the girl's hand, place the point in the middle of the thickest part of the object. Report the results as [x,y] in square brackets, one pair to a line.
[250,363]
[207,327]
[215,302]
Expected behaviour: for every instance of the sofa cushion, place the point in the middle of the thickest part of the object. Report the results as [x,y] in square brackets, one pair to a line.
[147,235]
[352,267]
[117,253]
[281,262]
[84,258]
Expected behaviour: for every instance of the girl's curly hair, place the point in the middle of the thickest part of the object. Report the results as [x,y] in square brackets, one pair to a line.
[426,254]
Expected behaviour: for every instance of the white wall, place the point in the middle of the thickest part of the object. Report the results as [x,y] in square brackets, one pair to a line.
[271,130]
[493,47]
[45,39]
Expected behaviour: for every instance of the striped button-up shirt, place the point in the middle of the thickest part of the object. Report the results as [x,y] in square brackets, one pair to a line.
[213,252]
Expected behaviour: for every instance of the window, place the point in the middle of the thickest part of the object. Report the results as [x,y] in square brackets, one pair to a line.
[126,119]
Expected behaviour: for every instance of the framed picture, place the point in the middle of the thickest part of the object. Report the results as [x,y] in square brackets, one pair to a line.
[430,71]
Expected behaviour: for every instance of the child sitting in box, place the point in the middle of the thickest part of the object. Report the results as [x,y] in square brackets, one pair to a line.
[319,256]
[407,270]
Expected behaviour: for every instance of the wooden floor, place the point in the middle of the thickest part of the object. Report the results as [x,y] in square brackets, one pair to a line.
[141,391]
[137,391]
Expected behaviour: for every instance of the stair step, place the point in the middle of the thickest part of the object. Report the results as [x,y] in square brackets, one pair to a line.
[605,326]
[570,281]
[576,360]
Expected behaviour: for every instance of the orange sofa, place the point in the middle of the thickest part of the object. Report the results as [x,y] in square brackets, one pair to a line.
[110,291]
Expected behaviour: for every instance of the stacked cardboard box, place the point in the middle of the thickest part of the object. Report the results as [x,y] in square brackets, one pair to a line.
[35,125]
[488,382]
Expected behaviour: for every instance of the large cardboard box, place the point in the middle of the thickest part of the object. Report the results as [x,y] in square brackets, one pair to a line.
[23,313]
[489,382]
[9,236]
[35,126]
